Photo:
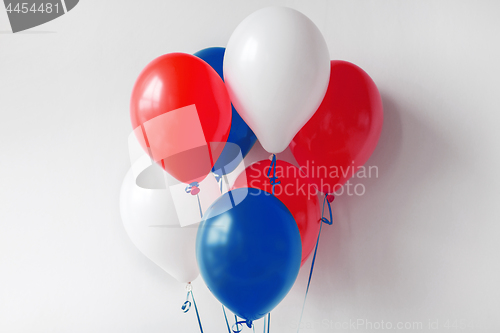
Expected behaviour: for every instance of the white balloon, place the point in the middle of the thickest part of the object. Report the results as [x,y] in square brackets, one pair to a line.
[276,70]
[150,219]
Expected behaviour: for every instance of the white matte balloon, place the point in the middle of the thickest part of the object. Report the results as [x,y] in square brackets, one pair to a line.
[276,70]
[150,219]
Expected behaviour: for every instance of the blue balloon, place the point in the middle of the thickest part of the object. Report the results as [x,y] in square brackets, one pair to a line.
[249,255]
[241,135]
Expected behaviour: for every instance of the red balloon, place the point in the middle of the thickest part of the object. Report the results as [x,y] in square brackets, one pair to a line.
[183,109]
[295,191]
[343,133]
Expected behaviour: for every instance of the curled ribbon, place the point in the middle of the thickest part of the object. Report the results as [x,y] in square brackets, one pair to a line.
[328,198]
[247,322]
[187,305]
[273,179]
[240,323]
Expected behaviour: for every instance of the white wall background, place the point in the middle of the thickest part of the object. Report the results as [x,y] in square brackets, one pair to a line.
[422,243]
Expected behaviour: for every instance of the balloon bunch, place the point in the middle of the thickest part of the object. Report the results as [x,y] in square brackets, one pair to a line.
[189,112]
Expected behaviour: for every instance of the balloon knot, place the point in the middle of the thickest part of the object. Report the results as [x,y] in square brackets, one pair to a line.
[272,178]
[328,198]
[237,329]
[193,188]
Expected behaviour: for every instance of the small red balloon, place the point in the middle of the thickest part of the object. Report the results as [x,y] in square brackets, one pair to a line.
[295,191]
[343,133]
[185,84]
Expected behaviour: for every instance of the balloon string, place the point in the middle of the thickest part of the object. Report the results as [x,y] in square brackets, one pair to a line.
[218,179]
[190,189]
[196,309]
[226,181]
[187,305]
[199,205]
[273,179]
[323,220]
[328,198]
[225,317]
[268,322]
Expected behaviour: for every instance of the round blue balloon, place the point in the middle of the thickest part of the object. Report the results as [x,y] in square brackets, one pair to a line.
[248,253]
[240,135]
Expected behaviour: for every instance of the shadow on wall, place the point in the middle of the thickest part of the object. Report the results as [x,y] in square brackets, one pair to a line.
[362,258]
